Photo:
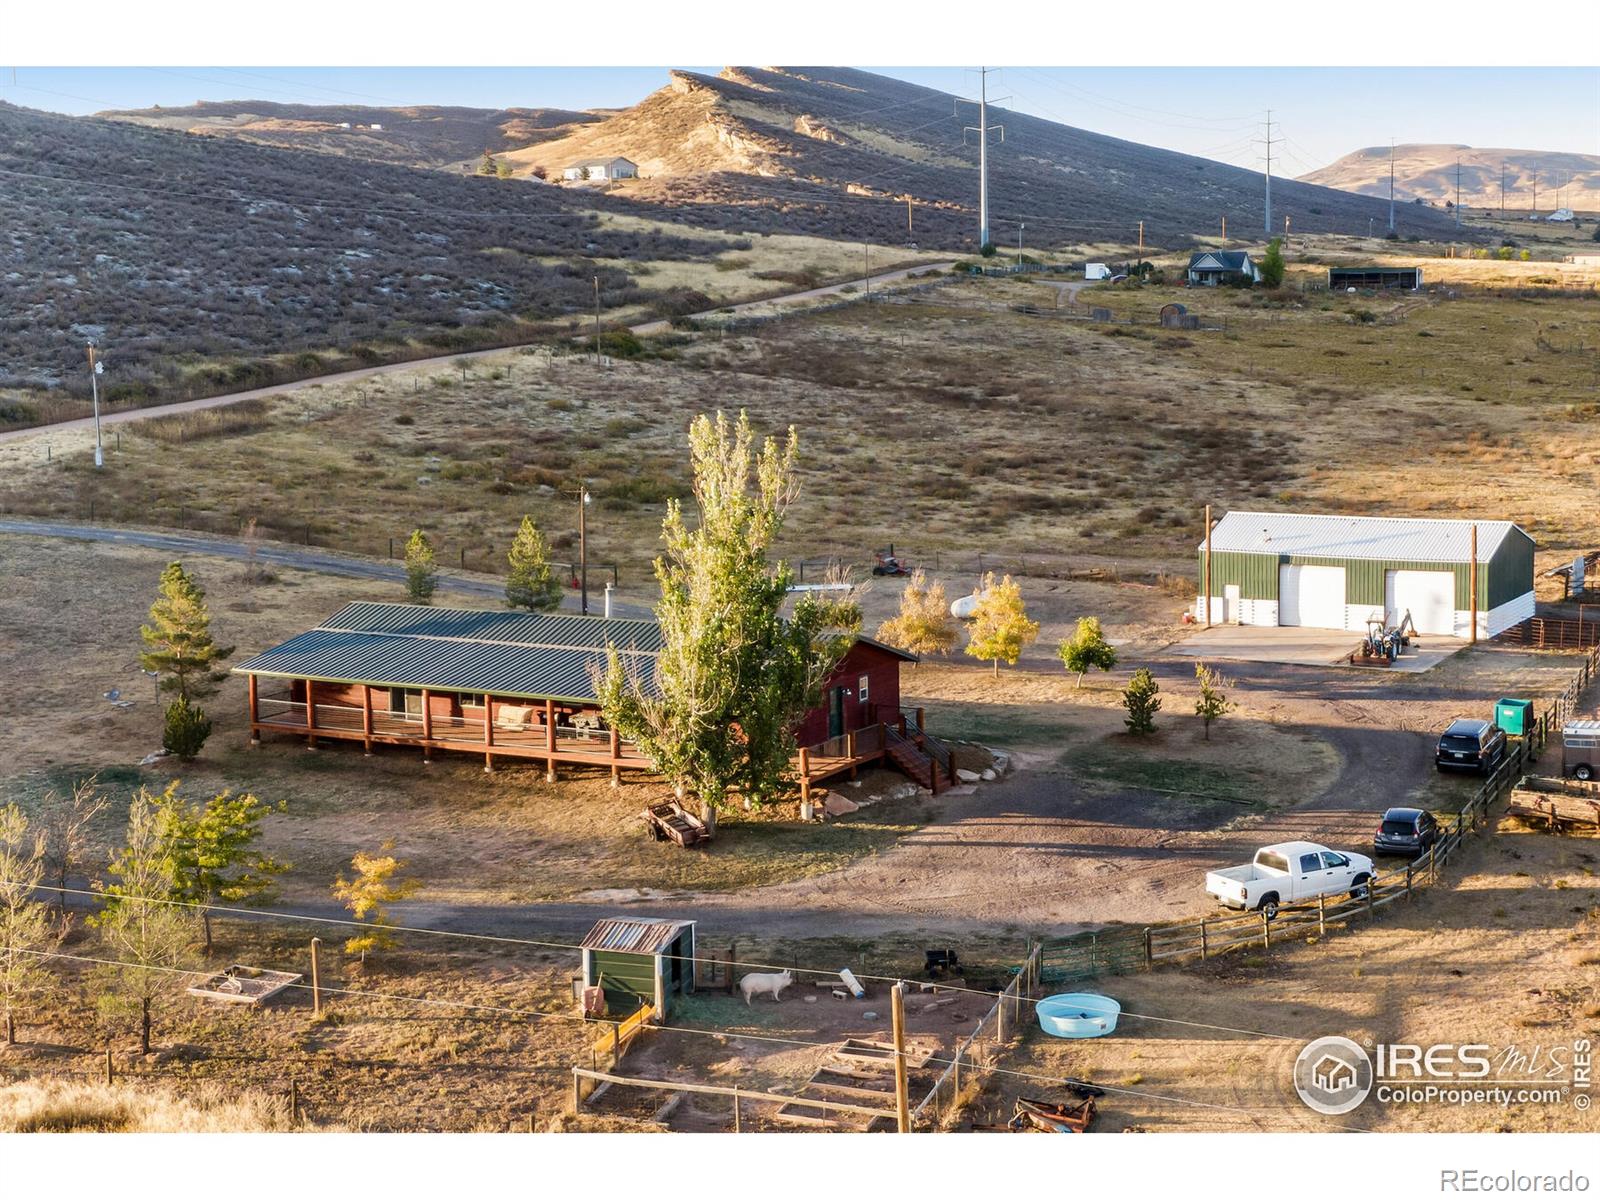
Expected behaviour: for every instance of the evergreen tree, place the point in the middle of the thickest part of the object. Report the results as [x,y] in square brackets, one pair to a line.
[26,930]
[1000,623]
[178,642]
[924,624]
[214,850]
[1087,647]
[1142,700]
[422,571]
[486,165]
[185,730]
[530,582]
[1272,265]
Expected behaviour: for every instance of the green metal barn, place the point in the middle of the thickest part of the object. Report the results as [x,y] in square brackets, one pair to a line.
[1336,572]
[639,961]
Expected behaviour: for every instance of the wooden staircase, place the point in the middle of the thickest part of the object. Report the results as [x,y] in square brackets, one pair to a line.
[912,762]
[856,1072]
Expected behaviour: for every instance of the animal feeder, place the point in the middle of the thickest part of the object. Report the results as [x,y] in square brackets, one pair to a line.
[245,985]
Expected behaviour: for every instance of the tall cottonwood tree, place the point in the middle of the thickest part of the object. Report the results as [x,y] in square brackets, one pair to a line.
[140,927]
[531,583]
[422,569]
[734,674]
[26,930]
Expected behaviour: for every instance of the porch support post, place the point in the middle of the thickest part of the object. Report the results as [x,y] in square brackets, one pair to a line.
[920,713]
[616,758]
[427,724]
[488,733]
[850,751]
[311,714]
[255,712]
[805,774]
[550,740]
[366,719]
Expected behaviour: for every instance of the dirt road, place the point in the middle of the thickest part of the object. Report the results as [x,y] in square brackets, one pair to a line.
[643,329]
[276,554]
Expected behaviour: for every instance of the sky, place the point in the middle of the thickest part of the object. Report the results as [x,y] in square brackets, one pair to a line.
[1320,113]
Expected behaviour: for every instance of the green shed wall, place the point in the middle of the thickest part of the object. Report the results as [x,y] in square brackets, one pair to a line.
[626,976]
[1510,572]
[1507,576]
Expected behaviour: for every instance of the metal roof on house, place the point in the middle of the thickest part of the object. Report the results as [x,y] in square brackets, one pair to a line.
[601,162]
[525,655]
[1225,260]
[461,650]
[638,935]
[1398,539]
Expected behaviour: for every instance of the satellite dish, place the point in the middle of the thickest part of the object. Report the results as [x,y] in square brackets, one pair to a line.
[114,694]
[99,367]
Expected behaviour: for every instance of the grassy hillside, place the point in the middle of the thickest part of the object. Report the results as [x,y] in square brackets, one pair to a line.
[1428,172]
[205,264]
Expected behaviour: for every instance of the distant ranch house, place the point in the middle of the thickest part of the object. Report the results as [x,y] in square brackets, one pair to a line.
[1374,279]
[602,170]
[1208,268]
[1339,572]
[513,685]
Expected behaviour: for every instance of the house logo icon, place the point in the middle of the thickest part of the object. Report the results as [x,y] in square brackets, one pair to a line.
[1333,1075]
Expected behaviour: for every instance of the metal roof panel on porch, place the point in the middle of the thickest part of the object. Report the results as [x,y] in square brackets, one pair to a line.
[527,629]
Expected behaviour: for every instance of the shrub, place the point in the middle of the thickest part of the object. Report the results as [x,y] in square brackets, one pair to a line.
[185,730]
[1142,700]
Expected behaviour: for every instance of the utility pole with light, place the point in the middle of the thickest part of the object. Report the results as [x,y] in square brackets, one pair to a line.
[1458,191]
[584,500]
[1391,185]
[1020,228]
[96,368]
[1266,224]
[597,320]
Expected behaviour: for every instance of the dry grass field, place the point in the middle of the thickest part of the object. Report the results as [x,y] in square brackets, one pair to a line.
[1503,954]
[948,423]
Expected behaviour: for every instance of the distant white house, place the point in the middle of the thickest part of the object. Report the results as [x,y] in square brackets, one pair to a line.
[602,169]
[376,126]
[344,124]
[1211,267]
[1560,214]
[1096,271]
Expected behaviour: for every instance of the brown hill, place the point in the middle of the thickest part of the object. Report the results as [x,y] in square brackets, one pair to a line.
[804,141]
[414,136]
[1428,172]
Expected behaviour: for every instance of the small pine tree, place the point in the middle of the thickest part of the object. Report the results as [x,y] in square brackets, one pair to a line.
[178,642]
[924,624]
[422,571]
[1142,701]
[530,581]
[1000,623]
[486,165]
[185,730]
[372,885]
[1272,264]
[1086,648]
[214,850]
[1213,703]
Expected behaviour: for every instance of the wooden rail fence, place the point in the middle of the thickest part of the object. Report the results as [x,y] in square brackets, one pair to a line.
[1123,950]
[609,1047]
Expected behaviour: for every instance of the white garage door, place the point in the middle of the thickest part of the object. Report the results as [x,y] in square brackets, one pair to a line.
[1429,595]
[1311,596]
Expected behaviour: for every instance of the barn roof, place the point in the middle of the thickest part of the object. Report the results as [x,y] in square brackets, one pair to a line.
[1397,539]
[507,653]
[635,935]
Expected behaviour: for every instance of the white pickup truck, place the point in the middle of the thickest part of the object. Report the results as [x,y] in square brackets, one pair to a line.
[1287,874]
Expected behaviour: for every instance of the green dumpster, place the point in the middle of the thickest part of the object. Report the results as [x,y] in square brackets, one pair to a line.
[1515,717]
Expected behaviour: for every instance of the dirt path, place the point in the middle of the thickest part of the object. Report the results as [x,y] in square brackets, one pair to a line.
[646,328]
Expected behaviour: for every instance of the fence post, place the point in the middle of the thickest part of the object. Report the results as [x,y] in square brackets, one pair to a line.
[1266,935]
[294,1102]
[1409,894]
[316,977]
[1149,959]
[1371,888]
[897,1011]
[736,1123]
[1433,868]
[1322,916]
[110,1070]
[1203,953]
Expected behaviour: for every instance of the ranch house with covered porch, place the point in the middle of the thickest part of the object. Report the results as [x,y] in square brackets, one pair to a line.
[512,685]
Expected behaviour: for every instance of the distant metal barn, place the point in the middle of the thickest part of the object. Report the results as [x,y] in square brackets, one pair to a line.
[638,961]
[1338,572]
[1374,278]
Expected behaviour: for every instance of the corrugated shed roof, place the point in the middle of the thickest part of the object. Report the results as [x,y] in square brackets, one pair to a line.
[1400,539]
[639,935]
[461,650]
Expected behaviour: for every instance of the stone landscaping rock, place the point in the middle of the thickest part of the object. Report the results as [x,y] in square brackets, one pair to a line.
[967,776]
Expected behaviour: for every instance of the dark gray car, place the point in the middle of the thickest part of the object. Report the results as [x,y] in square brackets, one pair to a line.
[1471,745]
[1407,831]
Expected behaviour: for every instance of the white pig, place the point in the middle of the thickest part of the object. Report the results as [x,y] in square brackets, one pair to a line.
[759,984]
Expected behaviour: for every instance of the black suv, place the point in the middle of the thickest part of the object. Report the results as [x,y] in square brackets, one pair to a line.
[1407,831]
[1470,745]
